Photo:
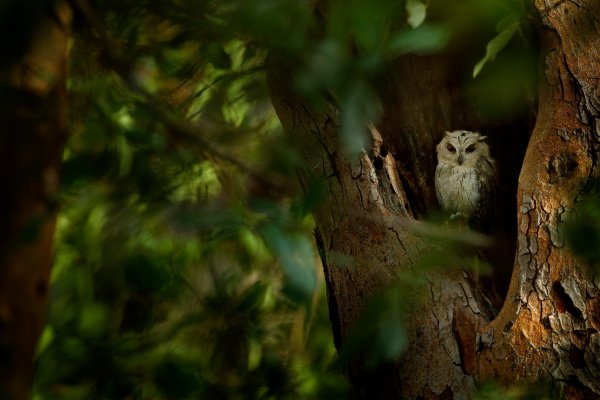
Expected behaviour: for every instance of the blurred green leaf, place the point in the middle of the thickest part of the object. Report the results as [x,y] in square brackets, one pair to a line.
[254,354]
[314,195]
[416,11]
[125,156]
[582,229]
[359,107]
[45,339]
[508,27]
[93,319]
[391,340]
[297,261]
[367,20]
[424,39]
[379,334]
[280,24]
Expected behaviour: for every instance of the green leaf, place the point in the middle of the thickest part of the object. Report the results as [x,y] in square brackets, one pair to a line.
[358,109]
[582,230]
[325,66]
[391,338]
[509,28]
[314,195]
[125,156]
[366,19]
[254,353]
[424,39]
[297,261]
[416,11]
[45,340]
[379,335]
[93,319]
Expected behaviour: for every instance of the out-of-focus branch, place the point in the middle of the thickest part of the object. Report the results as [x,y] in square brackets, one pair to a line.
[32,134]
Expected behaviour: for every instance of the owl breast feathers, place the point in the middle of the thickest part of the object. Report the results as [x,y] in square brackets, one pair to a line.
[466,178]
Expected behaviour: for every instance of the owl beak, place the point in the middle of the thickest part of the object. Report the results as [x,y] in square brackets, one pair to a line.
[460,159]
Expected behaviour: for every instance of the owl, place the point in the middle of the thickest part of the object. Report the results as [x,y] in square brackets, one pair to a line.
[466,179]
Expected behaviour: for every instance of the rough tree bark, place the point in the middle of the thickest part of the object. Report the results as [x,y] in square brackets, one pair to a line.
[547,329]
[31,142]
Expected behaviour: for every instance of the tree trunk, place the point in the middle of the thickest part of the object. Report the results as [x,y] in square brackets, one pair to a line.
[31,141]
[547,328]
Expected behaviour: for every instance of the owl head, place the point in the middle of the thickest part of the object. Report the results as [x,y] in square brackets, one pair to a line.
[462,148]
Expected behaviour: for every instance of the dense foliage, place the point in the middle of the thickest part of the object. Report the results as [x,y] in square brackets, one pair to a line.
[185,266]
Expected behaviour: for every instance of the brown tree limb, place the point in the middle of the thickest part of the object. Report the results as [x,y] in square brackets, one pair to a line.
[550,317]
[31,142]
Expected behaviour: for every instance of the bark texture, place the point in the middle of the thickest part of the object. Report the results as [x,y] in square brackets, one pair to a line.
[547,329]
[31,141]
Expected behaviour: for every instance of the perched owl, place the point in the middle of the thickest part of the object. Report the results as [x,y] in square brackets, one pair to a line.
[465,179]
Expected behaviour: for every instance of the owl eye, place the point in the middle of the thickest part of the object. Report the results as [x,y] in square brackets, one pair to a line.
[450,148]
[470,148]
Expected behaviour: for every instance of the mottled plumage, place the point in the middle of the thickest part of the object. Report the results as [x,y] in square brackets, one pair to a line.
[465,178]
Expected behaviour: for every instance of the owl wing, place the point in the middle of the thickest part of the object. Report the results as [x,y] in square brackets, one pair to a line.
[484,216]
